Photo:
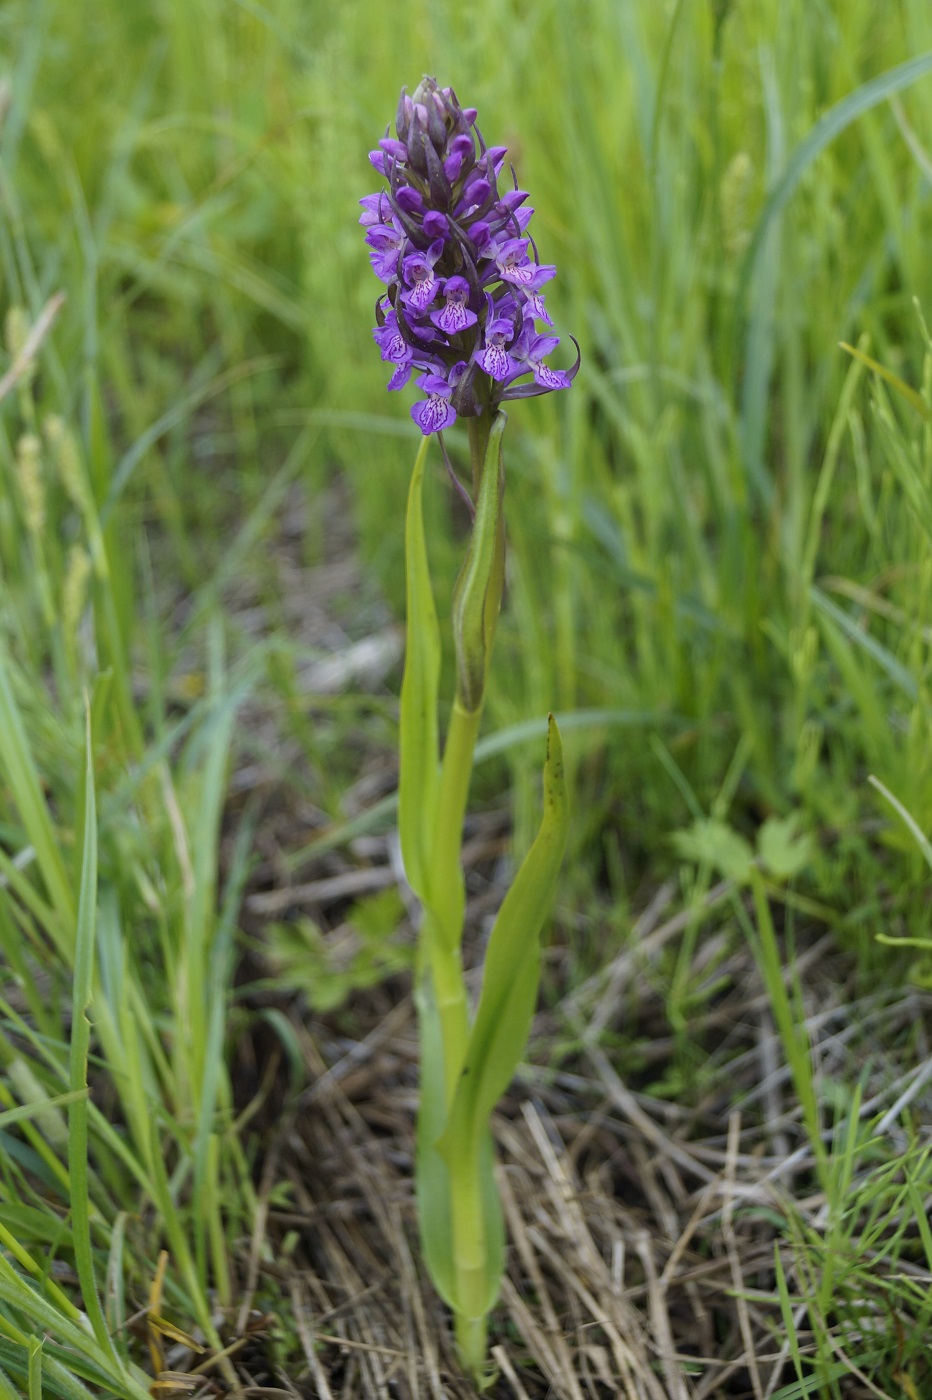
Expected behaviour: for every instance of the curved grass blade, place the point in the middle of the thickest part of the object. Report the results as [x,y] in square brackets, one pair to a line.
[836,120]
[432,1178]
[80,1044]
[915,401]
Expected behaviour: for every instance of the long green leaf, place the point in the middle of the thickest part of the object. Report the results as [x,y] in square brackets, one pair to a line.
[512,964]
[432,1178]
[418,736]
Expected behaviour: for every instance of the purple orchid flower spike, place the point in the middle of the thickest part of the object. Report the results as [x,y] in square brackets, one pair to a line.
[461,274]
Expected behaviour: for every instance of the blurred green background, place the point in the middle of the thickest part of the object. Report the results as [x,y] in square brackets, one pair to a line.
[710,535]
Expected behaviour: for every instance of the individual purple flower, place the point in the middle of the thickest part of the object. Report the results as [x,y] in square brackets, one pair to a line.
[386,242]
[434,413]
[375,209]
[461,273]
[401,376]
[495,359]
[390,340]
[418,270]
[515,266]
[535,310]
[456,315]
[532,355]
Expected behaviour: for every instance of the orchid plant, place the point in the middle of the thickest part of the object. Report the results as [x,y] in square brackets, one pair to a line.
[462,305]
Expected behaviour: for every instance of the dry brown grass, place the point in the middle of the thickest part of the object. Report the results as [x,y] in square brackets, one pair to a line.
[641,1231]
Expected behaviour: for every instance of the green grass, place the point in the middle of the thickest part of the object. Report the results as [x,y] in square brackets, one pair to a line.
[720,559]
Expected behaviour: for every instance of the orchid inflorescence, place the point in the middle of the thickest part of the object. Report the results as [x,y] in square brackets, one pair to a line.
[464,291]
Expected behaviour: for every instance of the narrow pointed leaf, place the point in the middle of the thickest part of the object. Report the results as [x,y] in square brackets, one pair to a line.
[418,737]
[512,967]
[432,1179]
[80,1042]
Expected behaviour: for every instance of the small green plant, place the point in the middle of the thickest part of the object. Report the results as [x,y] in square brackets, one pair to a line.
[462,304]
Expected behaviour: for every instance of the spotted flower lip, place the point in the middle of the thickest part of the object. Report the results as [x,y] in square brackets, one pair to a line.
[461,277]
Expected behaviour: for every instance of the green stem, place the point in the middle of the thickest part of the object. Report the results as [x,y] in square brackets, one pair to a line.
[469,1254]
[449,991]
[446,873]
[479,428]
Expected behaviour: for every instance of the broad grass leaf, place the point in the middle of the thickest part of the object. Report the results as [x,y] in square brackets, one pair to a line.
[418,735]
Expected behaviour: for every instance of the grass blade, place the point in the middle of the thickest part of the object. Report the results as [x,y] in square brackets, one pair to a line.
[80,1044]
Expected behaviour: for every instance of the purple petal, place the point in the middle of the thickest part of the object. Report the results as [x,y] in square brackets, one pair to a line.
[436,225]
[552,378]
[530,276]
[434,384]
[396,149]
[497,362]
[480,235]
[385,265]
[454,317]
[542,345]
[474,197]
[409,199]
[400,378]
[373,208]
[534,308]
[434,414]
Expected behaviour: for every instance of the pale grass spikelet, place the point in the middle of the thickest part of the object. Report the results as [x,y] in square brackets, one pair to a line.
[735,193]
[74,589]
[28,1090]
[15,330]
[67,459]
[809,743]
[31,485]
[15,333]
